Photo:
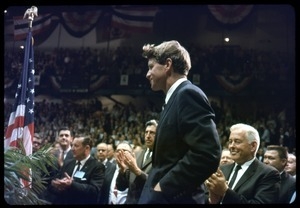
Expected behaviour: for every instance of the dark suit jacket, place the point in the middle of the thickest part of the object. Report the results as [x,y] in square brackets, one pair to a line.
[186,148]
[287,188]
[260,184]
[109,173]
[135,183]
[69,155]
[85,190]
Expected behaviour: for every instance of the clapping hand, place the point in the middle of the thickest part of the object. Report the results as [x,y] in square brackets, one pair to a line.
[216,185]
[62,184]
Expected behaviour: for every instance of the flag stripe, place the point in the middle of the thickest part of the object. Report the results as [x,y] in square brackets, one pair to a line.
[16,119]
[133,13]
[134,19]
[21,120]
[134,26]
[136,9]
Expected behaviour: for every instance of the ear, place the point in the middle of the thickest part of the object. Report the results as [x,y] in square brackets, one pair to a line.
[168,64]
[254,145]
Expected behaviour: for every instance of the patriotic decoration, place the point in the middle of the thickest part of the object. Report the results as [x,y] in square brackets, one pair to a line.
[230,14]
[41,24]
[20,127]
[234,86]
[136,19]
[79,24]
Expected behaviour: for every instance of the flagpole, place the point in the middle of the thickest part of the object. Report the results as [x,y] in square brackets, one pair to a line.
[30,14]
[20,129]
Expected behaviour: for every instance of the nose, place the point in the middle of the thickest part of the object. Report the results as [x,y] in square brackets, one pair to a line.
[148,75]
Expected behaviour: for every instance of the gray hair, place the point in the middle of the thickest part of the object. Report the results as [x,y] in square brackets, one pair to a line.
[251,134]
[152,122]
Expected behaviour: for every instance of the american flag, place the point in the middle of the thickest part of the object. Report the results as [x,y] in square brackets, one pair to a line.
[20,127]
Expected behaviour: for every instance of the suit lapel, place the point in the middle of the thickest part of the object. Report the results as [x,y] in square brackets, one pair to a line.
[69,167]
[227,170]
[249,172]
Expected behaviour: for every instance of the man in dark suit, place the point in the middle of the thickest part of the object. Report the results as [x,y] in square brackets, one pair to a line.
[277,157]
[134,170]
[65,139]
[187,149]
[110,167]
[79,183]
[255,182]
[63,153]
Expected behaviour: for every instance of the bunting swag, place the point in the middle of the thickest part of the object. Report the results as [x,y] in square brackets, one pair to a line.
[119,22]
[233,85]
[230,14]
[80,24]
[134,19]
[41,24]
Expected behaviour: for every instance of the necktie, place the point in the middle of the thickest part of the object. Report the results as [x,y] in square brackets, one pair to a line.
[78,167]
[237,168]
[163,107]
[62,156]
[148,154]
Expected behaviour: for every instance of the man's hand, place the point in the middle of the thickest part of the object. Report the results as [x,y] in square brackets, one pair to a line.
[217,183]
[62,184]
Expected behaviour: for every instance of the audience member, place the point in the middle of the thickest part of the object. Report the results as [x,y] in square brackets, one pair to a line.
[111,153]
[291,165]
[226,157]
[260,154]
[137,145]
[117,196]
[277,157]
[65,139]
[134,170]
[110,167]
[80,179]
[101,153]
[186,139]
[36,142]
[255,183]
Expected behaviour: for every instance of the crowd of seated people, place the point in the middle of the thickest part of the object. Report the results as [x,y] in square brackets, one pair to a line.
[127,122]
[80,67]
[95,68]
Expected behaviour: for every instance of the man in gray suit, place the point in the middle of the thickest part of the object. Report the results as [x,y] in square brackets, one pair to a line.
[134,170]
[187,149]
[255,182]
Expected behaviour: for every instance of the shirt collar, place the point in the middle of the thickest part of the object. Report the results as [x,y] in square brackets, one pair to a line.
[247,164]
[82,162]
[173,88]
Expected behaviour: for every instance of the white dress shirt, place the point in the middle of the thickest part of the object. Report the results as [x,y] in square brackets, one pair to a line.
[121,195]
